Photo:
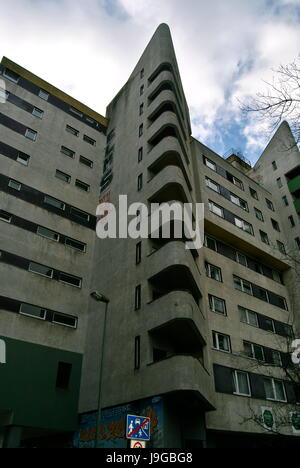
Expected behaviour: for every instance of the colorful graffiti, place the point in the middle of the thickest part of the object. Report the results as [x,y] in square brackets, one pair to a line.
[113,424]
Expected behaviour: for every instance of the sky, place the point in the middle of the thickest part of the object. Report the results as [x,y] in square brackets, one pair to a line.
[226,51]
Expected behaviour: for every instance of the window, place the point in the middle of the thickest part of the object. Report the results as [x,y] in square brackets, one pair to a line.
[66,320]
[141,130]
[23,158]
[244,225]
[281,247]
[274,165]
[138,253]
[53,202]
[277,276]
[14,185]
[211,243]
[67,152]
[141,109]
[275,358]
[44,232]
[63,376]
[241,383]
[137,299]
[235,181]
[275,225]
[259,214]
[140,182]
[137,352]
[217,305]
[210,164]
[44,95]
[242,285]
[213,272]
[274,390]
[239,202]
[297,241]
[212,185]
[264,237]
[140,154]
[10,75]
[142,90]
[254,351]
[142,73]
[70,279]
[33,311]
[270,204]
[40,269]
[30,134]
[74,244]
[72,130]
[253,193]
[262,294]
[37,112]
[79,214]
[292,221]
[216,209]
[269,324]
[279,182]
[4,216]
[62,176]
[89,140]
[241,259]
[221,342]
[248,316]
[85,161]
[285,200]
[75,112]
[82,186]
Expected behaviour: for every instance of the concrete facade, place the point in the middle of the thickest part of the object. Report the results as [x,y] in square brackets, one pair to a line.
[196,339]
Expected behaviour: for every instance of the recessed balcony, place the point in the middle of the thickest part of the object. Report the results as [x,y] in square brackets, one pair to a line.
[166,101]
[168,184]
[173,268]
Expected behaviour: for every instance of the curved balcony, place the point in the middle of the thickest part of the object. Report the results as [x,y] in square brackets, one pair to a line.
[171,268]
[165,84]
[167,124]
[166,98]
[168,152]
[178,373]
[168,184]
[178,315]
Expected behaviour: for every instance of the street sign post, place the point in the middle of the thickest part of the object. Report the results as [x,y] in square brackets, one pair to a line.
[137,444]
[137,427]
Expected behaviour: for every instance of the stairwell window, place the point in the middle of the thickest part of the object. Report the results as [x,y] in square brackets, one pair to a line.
[23,158]
[137,352]
[82,185]
[292,221]
[142,88]
[275,225]
[141,109]
[285,200]
[30,134]
[221,342]
[217,305]
[138,297]
[213,272]
[270,204]
[279,182]
[281,247]
[140,182]
[274,390]
[274,165]
[258,214]
[138,253]
[241,383]
[141,130]
[142,73]
[264,237]
[253,193]
[89,140]
[140,154]
[297,242]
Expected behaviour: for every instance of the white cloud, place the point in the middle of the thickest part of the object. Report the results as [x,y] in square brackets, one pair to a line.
[88,48]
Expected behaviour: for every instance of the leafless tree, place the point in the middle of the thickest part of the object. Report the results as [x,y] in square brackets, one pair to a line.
[280,101]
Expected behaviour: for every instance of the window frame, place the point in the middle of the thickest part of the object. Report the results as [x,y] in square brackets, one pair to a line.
[236,384]
[216,340]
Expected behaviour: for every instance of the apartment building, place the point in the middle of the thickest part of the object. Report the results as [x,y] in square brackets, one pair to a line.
[50,158]
[195,339]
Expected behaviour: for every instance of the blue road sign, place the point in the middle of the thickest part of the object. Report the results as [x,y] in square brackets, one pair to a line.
[138,427]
